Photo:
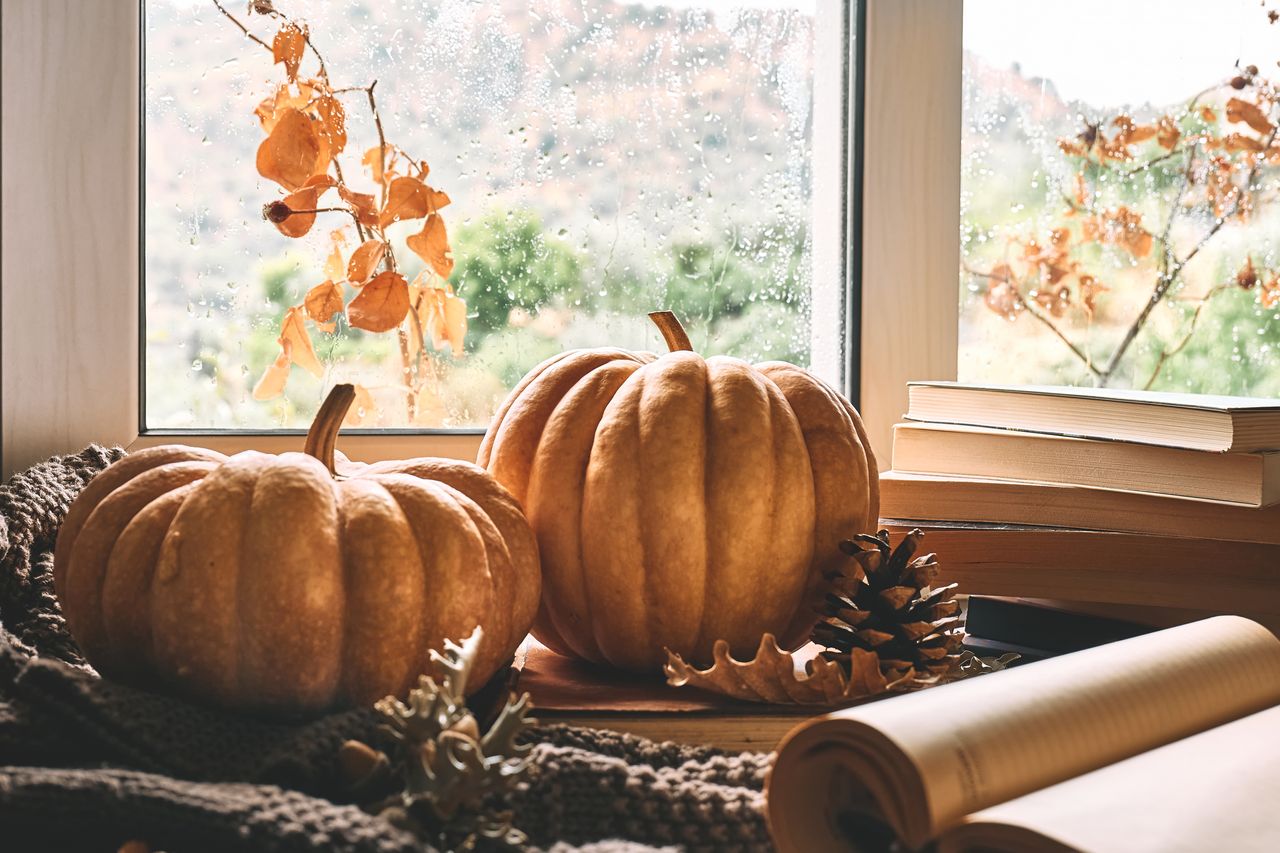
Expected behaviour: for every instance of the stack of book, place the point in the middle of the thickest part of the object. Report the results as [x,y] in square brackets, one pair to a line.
[1153,506]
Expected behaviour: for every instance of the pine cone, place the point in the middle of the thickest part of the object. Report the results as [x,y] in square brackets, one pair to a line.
[889,608]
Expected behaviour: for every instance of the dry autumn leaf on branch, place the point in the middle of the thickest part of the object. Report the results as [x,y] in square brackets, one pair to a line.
[409,198]
[322,302]
[295,348]
[288,46]
[432,245]
[364,260]
[381,304]
[306,127]
[1249,113]
[290,153]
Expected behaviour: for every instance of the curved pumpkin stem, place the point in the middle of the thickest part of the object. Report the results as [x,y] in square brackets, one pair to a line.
[672,332]
[323,435]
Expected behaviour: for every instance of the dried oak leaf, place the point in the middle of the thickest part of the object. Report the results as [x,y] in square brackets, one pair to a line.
[364,205]
[364,260]
[381,305]
[289,154]
[288,47]
[322,302]
[410,198]
[304,199]
[333,123]
[771,676]
[432,245]
[1250,113]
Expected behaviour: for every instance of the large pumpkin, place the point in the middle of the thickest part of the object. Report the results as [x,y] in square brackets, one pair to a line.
[271,583]
[677,500]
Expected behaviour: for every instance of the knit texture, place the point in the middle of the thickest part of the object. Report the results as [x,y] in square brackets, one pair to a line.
[87,764]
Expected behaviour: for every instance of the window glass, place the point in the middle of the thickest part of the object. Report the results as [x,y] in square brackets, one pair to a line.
[1121,195]
[600,160]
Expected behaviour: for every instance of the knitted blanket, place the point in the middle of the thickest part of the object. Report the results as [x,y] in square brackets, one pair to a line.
[87,764]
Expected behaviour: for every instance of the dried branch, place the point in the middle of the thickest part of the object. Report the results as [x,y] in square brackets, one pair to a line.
[1034,310]
[1166,354]
[242,27]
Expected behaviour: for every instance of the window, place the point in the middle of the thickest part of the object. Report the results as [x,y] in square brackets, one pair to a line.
[1120,196]
[602,159]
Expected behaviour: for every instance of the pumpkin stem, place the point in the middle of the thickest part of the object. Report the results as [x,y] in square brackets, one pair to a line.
[323,435]
[672,332]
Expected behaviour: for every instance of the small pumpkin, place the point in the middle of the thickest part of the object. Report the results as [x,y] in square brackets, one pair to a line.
[678,501]
[274,583]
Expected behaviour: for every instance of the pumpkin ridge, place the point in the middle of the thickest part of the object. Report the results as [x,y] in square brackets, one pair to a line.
[610,603]
[570,429]
[127,588]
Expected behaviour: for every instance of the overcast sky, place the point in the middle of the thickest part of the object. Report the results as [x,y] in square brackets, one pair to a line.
[1113,52]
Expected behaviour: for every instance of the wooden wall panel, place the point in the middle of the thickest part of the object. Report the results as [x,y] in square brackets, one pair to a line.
[70,226]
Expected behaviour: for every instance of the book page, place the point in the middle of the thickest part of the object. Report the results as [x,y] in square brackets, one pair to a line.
[931,757]
[1205,792]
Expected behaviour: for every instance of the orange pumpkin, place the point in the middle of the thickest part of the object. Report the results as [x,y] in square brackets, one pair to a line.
[677,500]
[272,583]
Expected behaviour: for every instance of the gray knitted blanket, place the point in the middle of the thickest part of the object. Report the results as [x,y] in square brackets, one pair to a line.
[87,764]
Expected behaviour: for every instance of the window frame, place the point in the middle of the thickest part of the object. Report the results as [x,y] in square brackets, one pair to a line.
[900,296]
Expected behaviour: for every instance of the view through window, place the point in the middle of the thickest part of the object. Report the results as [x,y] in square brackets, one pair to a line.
[1121,195]
[601,159]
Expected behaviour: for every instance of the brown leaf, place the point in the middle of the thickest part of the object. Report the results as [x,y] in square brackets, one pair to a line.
[287,47]
[381,304]
[288,155]
[322,302]
[293,335]
[1208,115]
[272,382]
[268,111]
[410,198]
[364,260]
[446,318]
[771,676]
[1002,292]
[364,205]
[378,163]
[1251,114]
[335,268]
[333,123]
[363,411]
[1168,133]
[304,199]
[1090,287]
[432,245]
[1240,142]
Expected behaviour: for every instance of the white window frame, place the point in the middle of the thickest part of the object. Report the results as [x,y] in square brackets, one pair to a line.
[69,317]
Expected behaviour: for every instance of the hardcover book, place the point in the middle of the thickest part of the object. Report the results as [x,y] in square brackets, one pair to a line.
[1194,421]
